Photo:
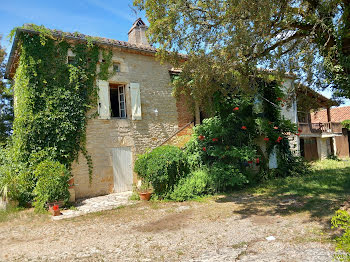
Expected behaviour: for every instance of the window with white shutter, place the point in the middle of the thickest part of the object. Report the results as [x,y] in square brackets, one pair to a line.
[103,100]
[135,101]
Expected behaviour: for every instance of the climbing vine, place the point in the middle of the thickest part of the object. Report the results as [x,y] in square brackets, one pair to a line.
[54,96]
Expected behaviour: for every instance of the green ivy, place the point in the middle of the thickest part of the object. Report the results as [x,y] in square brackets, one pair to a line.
[105,64]
[53,97]
[346,124]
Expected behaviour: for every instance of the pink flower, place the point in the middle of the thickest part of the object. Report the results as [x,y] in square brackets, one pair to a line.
[244,127]
[236,108]
[275,127]
[215,139]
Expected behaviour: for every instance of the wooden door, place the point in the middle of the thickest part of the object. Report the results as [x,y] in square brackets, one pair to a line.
[310,149]
[122,169]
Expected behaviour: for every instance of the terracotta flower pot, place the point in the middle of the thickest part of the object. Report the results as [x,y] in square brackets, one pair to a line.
[54,207]
[55,210]
[71,183]
[145,195]
[60,203]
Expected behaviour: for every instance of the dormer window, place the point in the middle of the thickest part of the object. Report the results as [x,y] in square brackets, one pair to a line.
[116,67]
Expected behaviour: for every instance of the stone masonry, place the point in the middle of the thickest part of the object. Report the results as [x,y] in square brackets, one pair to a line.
[140,135]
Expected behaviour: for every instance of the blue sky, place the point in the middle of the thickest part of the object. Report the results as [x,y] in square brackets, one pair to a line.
[105,18]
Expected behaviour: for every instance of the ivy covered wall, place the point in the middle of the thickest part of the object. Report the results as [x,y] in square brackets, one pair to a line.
[52,97]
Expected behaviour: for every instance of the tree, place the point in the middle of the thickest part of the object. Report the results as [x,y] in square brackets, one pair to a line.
[235,39]
[6,102]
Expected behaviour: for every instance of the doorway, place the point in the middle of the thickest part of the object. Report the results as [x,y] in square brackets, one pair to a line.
[122,169]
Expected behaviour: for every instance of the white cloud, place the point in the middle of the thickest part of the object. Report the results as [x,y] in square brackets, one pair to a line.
[107,7]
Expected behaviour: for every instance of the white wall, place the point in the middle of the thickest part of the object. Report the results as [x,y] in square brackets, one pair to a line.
[289,111]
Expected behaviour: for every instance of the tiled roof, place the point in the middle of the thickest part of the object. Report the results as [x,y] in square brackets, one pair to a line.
[338,114]
[98,40]
[77,37]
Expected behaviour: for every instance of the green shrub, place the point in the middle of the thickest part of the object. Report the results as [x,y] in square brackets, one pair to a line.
[226,177]
[346,124]
[9,188]
[197,183]
[52,183]
[140,166]
[342,220]
[163,168]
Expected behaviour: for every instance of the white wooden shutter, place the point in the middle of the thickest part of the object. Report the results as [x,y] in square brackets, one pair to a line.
[135,101]
[103,100]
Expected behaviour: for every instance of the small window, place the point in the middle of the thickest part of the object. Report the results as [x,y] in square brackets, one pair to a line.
[118,105]
[71,60]
[116,67]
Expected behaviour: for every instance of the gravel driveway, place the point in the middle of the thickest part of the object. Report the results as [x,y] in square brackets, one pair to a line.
[222,229]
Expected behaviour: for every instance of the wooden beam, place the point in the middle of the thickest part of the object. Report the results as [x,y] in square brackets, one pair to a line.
[329,118]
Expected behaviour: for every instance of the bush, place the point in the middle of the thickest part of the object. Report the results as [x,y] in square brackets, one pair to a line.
[140,166]
[163,168]
[52,183]
[226,177]
[9,182]
[342,220]
[197,183]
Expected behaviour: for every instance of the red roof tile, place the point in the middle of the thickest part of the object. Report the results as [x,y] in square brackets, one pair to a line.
[338,114]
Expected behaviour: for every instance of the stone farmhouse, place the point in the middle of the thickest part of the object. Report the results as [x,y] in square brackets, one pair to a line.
[136,112]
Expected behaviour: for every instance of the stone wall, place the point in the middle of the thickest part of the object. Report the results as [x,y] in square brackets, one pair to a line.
[140,135]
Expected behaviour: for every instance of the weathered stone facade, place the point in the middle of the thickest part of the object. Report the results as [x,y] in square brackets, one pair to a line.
[139,135]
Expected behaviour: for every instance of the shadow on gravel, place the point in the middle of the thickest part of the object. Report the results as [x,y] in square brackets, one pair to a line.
[321,193]
[169,222]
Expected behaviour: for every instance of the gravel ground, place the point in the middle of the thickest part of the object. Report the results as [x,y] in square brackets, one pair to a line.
[223,229]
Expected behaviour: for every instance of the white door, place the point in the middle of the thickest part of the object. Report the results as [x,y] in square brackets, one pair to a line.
[122,169]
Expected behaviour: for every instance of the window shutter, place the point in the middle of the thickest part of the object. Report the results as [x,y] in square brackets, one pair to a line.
[104,102]
[135,101]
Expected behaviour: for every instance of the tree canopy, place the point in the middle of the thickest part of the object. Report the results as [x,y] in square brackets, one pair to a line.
[236,39]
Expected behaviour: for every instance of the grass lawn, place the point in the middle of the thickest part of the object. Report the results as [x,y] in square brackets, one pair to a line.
[321,192]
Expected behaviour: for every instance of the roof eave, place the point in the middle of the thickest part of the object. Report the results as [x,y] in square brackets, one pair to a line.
[73,38]
[12,55]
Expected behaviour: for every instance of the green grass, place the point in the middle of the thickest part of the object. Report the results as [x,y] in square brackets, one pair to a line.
[321,192]
[10,213]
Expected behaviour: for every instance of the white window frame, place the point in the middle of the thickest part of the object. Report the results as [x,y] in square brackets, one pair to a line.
[120,87]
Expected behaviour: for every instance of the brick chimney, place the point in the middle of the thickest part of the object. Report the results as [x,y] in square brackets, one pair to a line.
[137,33]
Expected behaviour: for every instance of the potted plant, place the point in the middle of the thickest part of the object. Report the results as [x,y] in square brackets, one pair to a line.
[145,190]
[55,210]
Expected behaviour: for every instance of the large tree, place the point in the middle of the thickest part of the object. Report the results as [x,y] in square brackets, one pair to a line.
[235,39]
[6,101]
